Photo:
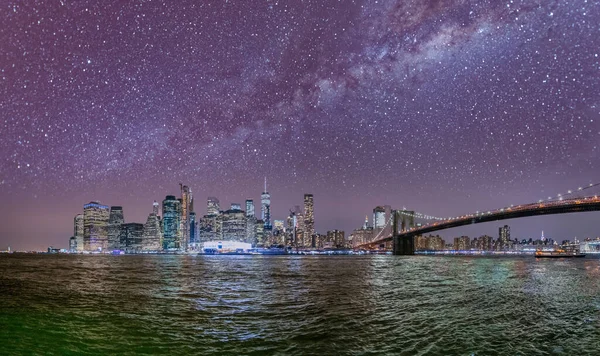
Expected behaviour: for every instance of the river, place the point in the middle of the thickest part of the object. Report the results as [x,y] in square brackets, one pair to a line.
[297,305]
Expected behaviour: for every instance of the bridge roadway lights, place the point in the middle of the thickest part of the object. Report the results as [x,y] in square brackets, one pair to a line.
[404,245]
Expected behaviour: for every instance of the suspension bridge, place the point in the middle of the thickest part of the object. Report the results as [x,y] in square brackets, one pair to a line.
[403,239]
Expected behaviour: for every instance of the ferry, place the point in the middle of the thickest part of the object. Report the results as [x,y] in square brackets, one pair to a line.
[558,253]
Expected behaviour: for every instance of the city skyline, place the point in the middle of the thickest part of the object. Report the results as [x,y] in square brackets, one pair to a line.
[444,108]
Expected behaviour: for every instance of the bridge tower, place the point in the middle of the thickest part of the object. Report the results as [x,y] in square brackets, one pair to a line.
[403,245]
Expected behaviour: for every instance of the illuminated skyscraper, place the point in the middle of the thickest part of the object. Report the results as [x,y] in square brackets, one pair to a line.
[250,208]
[155,208]
[152,235]
[265,210]
[95,226]
[378,217]
[336,238]
[504,236]
[171,208]
[131,237]
[78,231]
[234,225]
[193,228]
[186,207]
[114,227]
[212,206]
[309,220]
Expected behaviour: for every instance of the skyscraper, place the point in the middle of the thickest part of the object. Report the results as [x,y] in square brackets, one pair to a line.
[234,225]
[309,220]
[378,217]
[114,227]
[186,208]
[155,208]
[131,236]
[212,206]
[265,209]
[193,228]
[95,226]
[250,208]
[504,236]
[78,231]
[152,234]
[171,208]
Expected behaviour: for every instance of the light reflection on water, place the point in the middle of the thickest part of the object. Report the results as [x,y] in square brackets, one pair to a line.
[298,305]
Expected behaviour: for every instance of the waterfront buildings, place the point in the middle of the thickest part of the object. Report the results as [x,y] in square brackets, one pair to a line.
[152,234]
[362,235]
[115,220]
[335,239]
[78,231]
[462,243]
[171,210]
[212,206]
[504,237]
[131,237]
[207,228]
[95,226]
[309,221]
[187,206]
[234,225]
[265,210]
[250,208]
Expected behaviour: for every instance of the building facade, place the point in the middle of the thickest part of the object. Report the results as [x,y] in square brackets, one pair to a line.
[115,220]
[95,226]
[78,231]
[171,210]
[309,221]
[131,237]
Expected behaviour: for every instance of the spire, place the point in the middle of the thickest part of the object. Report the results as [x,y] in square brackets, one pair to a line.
[265,185]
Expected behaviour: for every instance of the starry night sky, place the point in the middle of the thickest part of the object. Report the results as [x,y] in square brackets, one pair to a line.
[444,107]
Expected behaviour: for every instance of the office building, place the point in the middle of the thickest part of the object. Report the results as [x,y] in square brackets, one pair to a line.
[95,226]
[233,225]
[309,221]
[171,210]
[212,206]
[504,237]
[131,237]
[152,234]
[115,220]
[207,228]
[187,206]
[336,239]
[250,208]
[462,243]
[78,231]
[72,244]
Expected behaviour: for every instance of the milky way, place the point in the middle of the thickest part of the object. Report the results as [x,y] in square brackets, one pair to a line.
[444,107]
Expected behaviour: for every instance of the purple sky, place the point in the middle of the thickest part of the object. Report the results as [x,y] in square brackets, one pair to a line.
[444,107]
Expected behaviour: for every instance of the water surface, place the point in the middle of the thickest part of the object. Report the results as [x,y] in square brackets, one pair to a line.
[355,305]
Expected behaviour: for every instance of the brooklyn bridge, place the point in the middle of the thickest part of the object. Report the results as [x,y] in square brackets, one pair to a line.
[402,235]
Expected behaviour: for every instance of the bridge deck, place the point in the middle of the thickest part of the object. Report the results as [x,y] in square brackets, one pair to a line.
[545,208]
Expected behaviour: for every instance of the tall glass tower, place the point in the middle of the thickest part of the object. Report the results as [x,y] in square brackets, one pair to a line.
[78,231]
[265,209]
[171,208]
[250,208]
[115,221]
[309,220]
[186,207]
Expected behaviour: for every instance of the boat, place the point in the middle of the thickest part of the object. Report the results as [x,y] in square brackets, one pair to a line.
[559,253]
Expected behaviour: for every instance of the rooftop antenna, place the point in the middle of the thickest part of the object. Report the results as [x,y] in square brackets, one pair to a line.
[265,185]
